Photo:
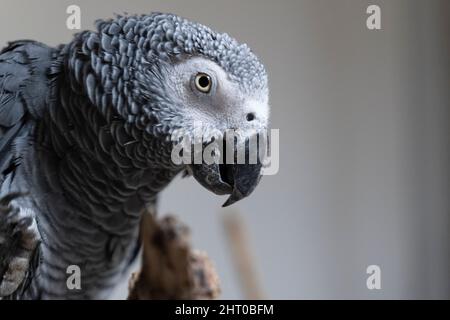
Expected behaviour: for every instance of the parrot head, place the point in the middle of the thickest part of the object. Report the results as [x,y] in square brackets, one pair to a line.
[174,74]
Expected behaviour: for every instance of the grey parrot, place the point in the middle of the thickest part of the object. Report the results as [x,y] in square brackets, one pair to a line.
[85,143]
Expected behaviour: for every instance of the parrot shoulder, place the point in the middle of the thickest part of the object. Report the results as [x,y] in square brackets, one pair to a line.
[25,84]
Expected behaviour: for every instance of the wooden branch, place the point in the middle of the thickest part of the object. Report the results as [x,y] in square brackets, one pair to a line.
[171,269]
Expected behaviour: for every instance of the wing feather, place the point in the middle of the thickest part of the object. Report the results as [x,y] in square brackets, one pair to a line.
[24,90]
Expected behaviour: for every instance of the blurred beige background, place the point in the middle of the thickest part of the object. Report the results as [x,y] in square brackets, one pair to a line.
[364,126]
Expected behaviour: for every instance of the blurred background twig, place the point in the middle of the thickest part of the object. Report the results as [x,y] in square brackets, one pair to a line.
[241,253]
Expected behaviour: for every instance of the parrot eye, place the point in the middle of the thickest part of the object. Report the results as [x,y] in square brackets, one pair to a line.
[203,82]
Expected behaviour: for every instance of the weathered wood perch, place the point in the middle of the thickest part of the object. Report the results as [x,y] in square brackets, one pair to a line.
[171,269]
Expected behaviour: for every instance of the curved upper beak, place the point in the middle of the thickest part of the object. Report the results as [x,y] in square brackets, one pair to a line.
[245,179]
[237,180]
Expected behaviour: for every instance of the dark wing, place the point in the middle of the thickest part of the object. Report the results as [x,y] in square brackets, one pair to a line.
[25,84]
[24,90]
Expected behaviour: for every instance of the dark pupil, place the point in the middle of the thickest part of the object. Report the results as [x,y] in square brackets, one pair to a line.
[203,82]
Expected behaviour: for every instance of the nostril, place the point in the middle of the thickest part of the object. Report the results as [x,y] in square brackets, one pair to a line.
[250,116]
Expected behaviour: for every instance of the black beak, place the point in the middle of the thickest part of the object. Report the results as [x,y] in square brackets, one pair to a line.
[237,180]
[242,177]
